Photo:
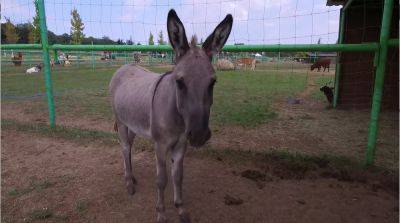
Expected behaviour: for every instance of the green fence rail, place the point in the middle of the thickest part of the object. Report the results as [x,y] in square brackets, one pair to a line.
[379,48]
[379,81]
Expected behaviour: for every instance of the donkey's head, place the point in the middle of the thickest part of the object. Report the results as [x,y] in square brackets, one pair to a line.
[195,75]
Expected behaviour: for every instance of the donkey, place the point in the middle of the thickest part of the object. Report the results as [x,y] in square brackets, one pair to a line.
[170,109]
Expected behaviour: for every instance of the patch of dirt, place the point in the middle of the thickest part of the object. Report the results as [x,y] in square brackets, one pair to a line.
[310,128]
[229,200]
[85,184]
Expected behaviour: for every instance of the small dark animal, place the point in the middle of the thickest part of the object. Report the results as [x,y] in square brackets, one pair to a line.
[328,92]
[321,63]
[136,57]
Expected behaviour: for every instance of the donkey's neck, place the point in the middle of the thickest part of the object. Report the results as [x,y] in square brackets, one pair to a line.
[165,116]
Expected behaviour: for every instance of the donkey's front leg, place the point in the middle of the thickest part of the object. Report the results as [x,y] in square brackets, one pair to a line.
[177,155]
[161,153]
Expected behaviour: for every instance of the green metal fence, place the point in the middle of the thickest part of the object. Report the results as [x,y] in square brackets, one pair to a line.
[379,48]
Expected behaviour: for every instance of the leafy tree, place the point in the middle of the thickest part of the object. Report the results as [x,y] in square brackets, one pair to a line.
[11,32]
[22,30]
[120,42]
[34,34]
[77,27]
[161,38]
[151,39]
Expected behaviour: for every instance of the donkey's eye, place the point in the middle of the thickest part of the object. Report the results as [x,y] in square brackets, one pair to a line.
[180,83]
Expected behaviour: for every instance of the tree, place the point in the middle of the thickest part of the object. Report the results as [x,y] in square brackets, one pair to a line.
[23,30]
[34,34]
[151,39]
[161,38]
[11,32]
[77,27]
[319,41]
[129,41]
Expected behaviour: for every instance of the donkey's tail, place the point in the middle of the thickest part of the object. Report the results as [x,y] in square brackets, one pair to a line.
[115,126]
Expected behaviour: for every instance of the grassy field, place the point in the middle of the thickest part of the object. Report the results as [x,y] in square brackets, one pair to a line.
[241,97]
[251,111]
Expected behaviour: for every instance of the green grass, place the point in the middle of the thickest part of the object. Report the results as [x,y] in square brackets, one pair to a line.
[82,136]
[35,185]
[240,97]
[77,135]
[40,214]
[81,206]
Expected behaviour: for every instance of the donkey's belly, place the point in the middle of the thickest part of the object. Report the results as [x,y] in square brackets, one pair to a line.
[132,103]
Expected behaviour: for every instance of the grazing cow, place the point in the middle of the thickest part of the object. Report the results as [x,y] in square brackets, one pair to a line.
[321,63]
[224,64]
[35,69]
[17,60]
[170,109]
[328,91]
[247,62]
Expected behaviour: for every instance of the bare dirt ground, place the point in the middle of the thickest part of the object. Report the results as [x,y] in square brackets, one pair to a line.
[56,180]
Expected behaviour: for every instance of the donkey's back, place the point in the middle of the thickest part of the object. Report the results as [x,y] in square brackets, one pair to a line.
[131,90]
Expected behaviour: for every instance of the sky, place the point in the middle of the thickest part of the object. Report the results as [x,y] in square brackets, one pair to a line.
[255,21]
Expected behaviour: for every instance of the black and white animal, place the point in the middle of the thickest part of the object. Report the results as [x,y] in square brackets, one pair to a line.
[36,69]
[328,92]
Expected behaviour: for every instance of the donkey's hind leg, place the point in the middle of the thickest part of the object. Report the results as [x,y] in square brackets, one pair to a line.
[126,138]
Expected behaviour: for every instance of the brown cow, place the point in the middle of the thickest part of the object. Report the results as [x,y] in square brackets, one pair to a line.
[321,63]
[17,60]
[246,62]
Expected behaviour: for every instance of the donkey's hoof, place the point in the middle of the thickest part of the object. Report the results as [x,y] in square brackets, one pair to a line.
[185,218]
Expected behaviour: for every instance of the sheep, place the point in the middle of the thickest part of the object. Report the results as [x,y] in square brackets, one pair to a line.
[35,69]
[224,64]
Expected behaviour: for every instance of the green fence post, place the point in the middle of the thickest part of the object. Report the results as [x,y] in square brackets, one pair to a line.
[55,56]
[338,58]
[46,61]
[93,59]
[78,58]
[379,81]
[29,57]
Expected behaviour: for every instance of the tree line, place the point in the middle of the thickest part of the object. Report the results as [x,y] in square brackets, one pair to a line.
[29,32]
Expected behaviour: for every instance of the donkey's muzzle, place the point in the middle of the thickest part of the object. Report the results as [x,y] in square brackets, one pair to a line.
[197,140]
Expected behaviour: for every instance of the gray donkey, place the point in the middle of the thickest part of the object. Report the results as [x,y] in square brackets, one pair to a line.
[170,109]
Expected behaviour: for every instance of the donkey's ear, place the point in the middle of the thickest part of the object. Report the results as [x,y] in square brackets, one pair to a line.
[177,35]
[218,38]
